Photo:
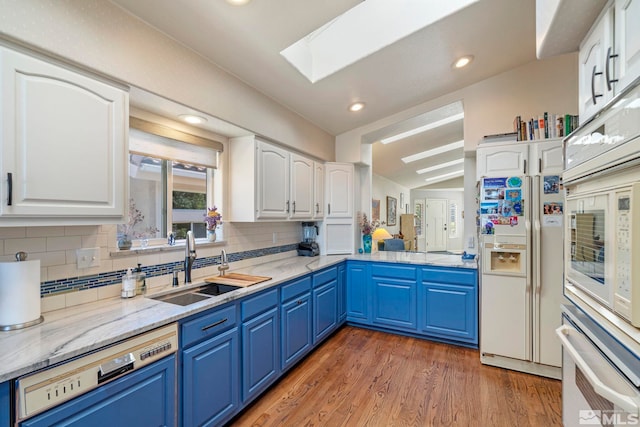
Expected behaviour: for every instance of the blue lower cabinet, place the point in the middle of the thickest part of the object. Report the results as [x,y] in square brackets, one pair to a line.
[342,295]
[357,292]
[5,405]
[295,317]
[325,310]
[145,397]
[395,304]
[449,303]
[260,353]
[211,380]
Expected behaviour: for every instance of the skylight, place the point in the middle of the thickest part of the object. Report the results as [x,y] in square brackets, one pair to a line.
[363,30]
[445,177]
[424,128]
[433,152]
[439,166]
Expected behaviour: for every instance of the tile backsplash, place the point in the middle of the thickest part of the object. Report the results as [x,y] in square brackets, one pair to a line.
[60,278]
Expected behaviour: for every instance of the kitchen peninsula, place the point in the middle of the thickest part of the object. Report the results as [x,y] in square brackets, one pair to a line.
[332,284]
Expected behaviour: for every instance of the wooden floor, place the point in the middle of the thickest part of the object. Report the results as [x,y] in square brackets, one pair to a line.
[366,378]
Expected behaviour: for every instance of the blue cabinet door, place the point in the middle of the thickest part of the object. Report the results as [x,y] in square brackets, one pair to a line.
[450,311]
[325,310]
[143,398]
[295,317]
[5,402]
[260,353]
[342,296]
[211,380]
[395,303]
[449,303]
[358,280]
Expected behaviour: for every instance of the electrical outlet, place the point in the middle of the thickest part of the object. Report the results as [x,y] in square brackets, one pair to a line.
[88,257]
[275,237]
[471,242]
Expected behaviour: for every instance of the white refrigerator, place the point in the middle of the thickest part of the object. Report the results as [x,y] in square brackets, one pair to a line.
[520,231]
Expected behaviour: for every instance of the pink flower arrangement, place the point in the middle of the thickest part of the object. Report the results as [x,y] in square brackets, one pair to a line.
[366,226]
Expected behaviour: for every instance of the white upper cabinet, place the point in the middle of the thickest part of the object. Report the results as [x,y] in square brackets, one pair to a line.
[339,190]
[273,181]
[318,190]
[546,157]
[594,67]
[502,160]
[63,144]
[609,56]
[267,182]
[301,187]
[627,41]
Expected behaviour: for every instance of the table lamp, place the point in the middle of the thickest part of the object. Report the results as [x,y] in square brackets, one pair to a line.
[380,235]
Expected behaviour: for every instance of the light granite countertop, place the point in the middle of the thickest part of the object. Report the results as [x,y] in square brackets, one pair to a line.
[69,332]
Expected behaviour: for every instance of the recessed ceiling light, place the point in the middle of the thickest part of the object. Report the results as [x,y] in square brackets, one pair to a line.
[238,2]
[194,120]
[463,61]
[356,106]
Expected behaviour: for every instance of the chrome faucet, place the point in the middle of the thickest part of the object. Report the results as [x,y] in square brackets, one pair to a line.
[224,263]
[189,256]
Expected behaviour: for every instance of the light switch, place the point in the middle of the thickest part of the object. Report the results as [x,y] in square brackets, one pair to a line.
[88,257]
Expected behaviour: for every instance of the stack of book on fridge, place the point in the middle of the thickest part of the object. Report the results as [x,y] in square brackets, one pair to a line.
[545,126]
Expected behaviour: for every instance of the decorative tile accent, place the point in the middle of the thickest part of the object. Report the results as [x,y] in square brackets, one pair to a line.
[53,287]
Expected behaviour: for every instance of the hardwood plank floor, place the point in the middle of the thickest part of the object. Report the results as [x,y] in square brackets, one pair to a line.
[366,378]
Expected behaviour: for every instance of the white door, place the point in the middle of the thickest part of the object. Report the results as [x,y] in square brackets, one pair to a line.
[546,157]
[318,191]
[339,190]
[436,224]
[592,88]
[301,187]
[63,142]
[627,39]
[502,160]
[272,181]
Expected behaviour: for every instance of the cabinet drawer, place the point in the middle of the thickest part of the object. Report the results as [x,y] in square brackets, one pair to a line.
[393,271]
[325,276]
[295,288]
[457,276]
[208,325]
[259,304]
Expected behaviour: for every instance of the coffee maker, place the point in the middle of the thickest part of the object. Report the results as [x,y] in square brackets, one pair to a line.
[308,246]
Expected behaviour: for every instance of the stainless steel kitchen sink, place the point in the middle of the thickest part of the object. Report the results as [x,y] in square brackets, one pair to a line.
[192,295]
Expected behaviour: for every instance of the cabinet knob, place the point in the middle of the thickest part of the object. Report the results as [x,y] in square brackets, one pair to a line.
[593,85]
[607,69]
[9,189]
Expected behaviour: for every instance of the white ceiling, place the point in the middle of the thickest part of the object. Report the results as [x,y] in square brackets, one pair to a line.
[246,41]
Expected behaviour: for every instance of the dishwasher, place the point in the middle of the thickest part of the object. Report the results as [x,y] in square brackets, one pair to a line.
[130,383]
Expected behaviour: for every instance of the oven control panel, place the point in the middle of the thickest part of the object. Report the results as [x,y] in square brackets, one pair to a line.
[627,285]
[52,386]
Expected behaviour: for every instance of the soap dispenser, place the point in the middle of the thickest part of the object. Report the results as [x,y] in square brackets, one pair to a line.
[128,285]
[141,282]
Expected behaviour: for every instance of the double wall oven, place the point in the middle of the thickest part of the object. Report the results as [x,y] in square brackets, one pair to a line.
[600,333]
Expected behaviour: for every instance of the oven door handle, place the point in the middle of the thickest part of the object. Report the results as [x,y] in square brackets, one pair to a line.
[623,401]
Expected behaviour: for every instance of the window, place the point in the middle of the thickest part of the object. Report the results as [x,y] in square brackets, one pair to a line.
[170,184]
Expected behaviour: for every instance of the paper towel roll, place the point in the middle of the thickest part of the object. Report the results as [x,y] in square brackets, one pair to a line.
[19,293]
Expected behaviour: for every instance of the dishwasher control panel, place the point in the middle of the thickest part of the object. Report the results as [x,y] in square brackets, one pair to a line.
[50,387]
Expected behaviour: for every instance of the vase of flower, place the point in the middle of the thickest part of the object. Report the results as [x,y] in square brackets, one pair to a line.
[366,243]
[212,219]
[124,243]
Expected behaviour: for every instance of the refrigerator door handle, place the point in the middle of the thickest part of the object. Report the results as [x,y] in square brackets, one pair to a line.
[538,254]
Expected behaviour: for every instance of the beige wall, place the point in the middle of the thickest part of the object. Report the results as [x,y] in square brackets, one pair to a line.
[382,187]
[490,105]
[100,36]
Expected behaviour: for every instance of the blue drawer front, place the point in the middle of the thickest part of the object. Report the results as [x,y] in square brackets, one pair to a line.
[208,325]
[393,271]
[259,304]
[457,276]
[325,276]
[295,288]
